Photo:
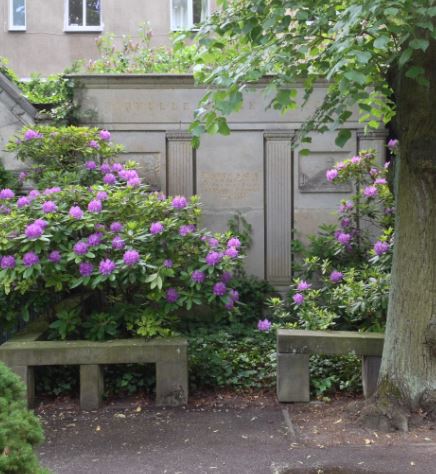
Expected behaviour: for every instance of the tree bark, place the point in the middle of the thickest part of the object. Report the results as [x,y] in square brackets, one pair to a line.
[408,371]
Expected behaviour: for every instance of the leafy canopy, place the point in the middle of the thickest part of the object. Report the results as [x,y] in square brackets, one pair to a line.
[351,43]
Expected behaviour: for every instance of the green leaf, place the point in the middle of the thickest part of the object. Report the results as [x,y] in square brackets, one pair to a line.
[356,76]
[343,136]
[419,43]
[414,72]
[381,42]
[405,56]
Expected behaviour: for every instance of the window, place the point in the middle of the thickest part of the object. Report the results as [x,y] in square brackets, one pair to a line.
[186,14]
[83,15]
[17,15]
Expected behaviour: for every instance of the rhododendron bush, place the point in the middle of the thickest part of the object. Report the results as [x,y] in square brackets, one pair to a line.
[96,252]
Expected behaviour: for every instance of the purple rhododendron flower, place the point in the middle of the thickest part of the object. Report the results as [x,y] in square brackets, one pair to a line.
[105,135]
[23,201]
[179,202]
[41,223]
[346,206]
[186,229]
[116,227]
[340,166]
[107,266]
[126,175]
[49,191]
[345,222]
[117,167]
[30,259]
[118,243]
[95,239]
[161,197]
[109,178]
[4,210]
[94,144]
[102,196]
[22,177]
[7,262]
[229,305]
[212,258]
[90,165]
[356,160]
[172,296]
[156,228]
[343,238]
[331,175]
[380,181]
[370,191]
[31,134]
[49,206]
[234,242]
[303,285]
[381,247]
[212,242]
[95,206]
[373,172]
[226,277]
[80,248]
[219,289]
[264,325]
[34,194]
[54,256]
[33,231]
[298,298]
[134,182]
[198,276]
[234,294]
[75,212]
[105,168]
[168,263]
[393,144]
[386,165]
[131,257]
[336,277]
[231,252]
[86,269]
[7,194]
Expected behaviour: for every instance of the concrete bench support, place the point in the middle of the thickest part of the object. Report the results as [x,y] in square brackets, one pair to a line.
[294,348]
[91,387]
[293,377]
[370,371]
[26,351]
[27,374]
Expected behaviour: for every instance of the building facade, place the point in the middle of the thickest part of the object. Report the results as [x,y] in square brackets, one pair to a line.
[46,36]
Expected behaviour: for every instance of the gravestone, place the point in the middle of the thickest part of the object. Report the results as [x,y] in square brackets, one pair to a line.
[254,170]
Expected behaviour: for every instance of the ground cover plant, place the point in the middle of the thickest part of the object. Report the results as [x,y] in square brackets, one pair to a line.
[20,430]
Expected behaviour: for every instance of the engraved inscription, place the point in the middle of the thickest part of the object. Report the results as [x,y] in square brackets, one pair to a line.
[231,186]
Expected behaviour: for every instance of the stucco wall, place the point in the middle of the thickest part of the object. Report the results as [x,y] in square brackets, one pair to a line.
[45,48]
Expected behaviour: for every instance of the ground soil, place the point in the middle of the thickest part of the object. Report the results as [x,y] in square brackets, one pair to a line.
[226,432]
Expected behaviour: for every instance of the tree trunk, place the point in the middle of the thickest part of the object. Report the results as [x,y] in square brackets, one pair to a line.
[408,372]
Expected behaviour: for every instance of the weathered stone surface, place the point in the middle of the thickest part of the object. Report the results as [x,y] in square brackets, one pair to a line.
[293,377]
[254,170]
[91,387]
[27,374]
[329,342]
[370,371]
[170,356]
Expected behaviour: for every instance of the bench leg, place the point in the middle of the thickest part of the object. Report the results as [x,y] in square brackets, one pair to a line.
[27,374]
[172,383]
[370,371]
[293,377]
[91,387]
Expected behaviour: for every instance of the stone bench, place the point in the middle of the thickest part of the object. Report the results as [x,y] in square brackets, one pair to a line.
[294,348]
[26,350]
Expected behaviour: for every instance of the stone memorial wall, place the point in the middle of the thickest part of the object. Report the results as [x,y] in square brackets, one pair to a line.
[254,170]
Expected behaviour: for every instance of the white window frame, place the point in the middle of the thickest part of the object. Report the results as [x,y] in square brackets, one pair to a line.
[13,27]
[77,28]
[191,25]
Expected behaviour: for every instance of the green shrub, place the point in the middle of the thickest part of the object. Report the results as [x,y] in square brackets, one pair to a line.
[20,430]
